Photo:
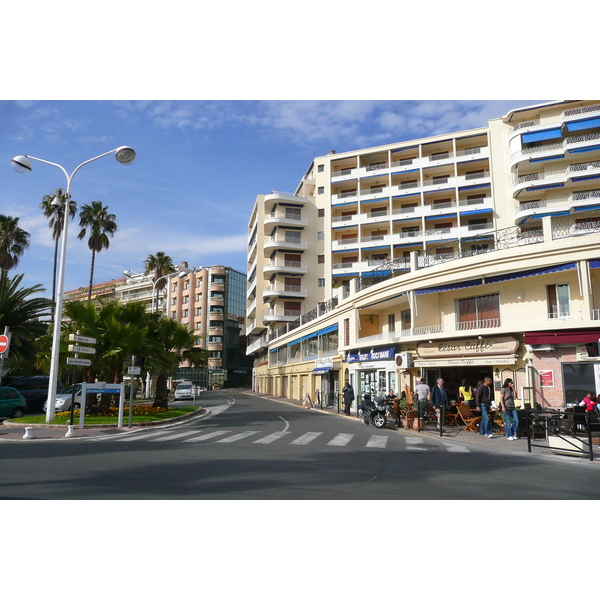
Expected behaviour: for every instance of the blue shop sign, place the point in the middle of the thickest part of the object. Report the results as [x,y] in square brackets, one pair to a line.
[387,354]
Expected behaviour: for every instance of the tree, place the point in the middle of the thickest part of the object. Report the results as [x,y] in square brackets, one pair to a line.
[21,313]
[171,344]
[159,265]
[55,213]
[13,242]
[101,225]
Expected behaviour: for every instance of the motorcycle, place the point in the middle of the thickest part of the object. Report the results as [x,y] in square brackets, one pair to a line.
[373,412]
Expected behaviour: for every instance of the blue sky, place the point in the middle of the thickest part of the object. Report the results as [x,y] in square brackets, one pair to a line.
[199,167]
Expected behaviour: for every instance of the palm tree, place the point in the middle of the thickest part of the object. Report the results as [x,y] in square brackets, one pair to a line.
[13,242]
[55,213]
[101,225]
[159,265]
[171,344]
[21,313]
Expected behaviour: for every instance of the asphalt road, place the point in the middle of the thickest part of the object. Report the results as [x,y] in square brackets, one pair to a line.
[257,448]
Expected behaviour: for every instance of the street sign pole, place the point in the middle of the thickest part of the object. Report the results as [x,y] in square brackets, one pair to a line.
[78,361]
[4,347]
[131,379]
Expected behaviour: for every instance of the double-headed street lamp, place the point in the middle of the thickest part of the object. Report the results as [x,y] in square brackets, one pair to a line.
[22,164]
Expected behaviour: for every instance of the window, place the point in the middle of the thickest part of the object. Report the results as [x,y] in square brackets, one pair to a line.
[559,305]
[174,287]
[292,236]
[478,313]
[392,323]
[173,315]
[320,235]
[321,282]
[405,319]
[321,259]
[321,190]
[185,313]
[346,332]
[198,312]
[320,168]
[321,212]
[198,297]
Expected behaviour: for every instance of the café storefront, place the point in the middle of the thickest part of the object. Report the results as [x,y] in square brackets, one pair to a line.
[372,372]
[472,359]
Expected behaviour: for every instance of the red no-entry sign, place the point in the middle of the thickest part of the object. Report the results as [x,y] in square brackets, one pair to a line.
[3,344]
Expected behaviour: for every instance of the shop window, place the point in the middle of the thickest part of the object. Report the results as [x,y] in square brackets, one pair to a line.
[346,332]
[559,305]
[481,312]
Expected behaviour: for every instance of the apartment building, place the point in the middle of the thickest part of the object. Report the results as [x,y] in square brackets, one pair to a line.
[463,255]
[212,302]
[107,290]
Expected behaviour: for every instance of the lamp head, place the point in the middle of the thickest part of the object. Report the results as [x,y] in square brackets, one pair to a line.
[21,164]
[125,155]
[128,273]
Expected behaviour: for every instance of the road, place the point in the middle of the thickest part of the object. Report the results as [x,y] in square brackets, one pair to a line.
[257,448]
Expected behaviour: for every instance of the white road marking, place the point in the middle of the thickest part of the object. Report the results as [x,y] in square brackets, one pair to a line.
[207,436]
[377,441]
[272,438]
[341,439]
[235,438]
[451,447]
[306,438]
[144,436]
[172,437]
[414,443]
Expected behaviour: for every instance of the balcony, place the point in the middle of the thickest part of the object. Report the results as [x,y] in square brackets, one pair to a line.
[284,242]
[558,178]
[285,266]
[280,314]
[291,291]
[285,217]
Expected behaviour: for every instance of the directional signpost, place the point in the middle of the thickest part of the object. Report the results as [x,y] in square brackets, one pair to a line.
[79,362]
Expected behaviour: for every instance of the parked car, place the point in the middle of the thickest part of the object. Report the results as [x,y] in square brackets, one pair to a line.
[62,401]
[12,403]
[33,389]
[185,391]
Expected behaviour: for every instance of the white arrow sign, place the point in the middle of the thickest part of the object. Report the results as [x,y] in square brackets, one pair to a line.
[81,339]
[82,349]
[79,362]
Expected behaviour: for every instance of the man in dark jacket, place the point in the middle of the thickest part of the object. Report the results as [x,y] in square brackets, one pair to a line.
[348,393]
[439,399]
[483,399]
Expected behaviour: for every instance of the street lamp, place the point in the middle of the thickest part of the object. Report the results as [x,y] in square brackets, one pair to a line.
[22,164]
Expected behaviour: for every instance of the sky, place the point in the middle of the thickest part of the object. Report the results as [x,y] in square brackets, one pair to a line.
[199,167]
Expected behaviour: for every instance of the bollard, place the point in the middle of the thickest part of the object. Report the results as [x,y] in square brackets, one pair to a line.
[28,433]
[69,433]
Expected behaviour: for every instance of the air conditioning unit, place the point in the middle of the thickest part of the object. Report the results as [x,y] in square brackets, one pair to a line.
[404,360]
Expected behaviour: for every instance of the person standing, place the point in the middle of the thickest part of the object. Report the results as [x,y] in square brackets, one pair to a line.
[465,392]
[483,399]
[348,393]
[509,410]
[422,391]
[439,399]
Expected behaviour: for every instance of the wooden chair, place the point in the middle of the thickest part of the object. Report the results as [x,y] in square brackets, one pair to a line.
[470,420]
[452,416]
[499,421]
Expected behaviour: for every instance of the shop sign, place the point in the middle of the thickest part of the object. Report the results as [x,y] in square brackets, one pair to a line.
[387,354]
[474,361]
[324,363]
[468,347]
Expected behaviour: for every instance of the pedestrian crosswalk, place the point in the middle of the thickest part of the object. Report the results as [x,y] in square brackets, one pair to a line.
[340,440]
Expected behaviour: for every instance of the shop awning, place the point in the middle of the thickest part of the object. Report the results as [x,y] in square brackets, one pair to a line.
[568,336]
[448,288]
[321,371]
[530,273]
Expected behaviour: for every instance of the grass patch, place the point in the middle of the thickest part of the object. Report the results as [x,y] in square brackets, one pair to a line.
[65,418]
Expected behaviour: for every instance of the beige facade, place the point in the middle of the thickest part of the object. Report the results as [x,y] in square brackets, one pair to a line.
[464,255]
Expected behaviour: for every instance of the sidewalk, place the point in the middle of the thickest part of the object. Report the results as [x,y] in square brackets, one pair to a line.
[452,433]
[45,431]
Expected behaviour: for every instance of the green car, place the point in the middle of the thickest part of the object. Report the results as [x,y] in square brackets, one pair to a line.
[12,403]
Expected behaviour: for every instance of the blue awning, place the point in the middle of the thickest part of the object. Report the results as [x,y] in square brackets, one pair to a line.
[344,204]
[535,160]
[383,247]
[530,273]
[446,216]
[453,286]
[375,200]
[328,329]
[585,178]
[321,371]
[336,227]
[564,213]
[583,124]
[545,187]
[439,191]
[540,136]
[404,196]
[474,187]
[346,274]
[594,264]
[302,339]
[586,149]
[590,207]
[385,273]
[476,212]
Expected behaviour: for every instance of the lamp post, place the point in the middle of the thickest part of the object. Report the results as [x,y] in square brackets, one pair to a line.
[22,164]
